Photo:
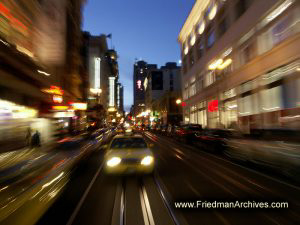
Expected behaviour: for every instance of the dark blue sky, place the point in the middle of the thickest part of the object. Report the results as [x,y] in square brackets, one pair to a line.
[146,29]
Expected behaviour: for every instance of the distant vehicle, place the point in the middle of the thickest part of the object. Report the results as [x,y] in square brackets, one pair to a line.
[128,154]
[187,132]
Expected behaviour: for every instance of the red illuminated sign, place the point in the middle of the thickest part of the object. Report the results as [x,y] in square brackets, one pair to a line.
[213,106]
[183,104]
[15,22]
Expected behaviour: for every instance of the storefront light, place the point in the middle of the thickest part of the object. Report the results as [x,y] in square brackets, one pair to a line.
[225,64]
[215,64]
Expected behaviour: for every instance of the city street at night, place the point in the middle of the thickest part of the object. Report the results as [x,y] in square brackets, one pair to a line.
[159,112]
[183,173]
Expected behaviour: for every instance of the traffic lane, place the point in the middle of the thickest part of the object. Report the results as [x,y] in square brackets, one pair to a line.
[83,173]
[197,175]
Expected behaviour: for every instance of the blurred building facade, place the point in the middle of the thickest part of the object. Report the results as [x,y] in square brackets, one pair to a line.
[162,89]
[105,93]
[241,64]
[40,61]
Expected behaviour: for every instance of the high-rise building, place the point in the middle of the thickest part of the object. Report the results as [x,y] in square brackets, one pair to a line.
[241,63]
[98,69]
[139,74]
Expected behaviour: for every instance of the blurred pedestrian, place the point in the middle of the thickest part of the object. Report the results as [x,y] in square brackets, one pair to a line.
[28,136]
[36,139]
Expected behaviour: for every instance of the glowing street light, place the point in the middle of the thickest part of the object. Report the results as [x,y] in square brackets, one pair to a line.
[178,101]
[96,90]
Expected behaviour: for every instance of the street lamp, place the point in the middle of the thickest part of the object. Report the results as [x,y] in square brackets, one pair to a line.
[178,101]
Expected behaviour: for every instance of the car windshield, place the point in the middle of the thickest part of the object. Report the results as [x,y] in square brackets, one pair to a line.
[128,143]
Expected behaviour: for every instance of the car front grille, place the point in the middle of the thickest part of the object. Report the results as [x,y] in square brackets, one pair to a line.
[131,161]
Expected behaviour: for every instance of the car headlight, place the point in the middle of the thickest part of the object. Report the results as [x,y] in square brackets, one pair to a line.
[114,161]
[146,161]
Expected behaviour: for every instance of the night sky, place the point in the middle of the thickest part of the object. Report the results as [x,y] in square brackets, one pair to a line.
[142,29]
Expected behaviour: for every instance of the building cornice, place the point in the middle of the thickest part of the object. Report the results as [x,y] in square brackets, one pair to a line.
[194,16]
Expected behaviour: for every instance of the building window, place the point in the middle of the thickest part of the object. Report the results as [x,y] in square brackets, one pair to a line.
[209,78]
[192,90]
[200,49]
[247,53]
[240,8]
[211,39]
[191,58]
[223,26]
[271,99]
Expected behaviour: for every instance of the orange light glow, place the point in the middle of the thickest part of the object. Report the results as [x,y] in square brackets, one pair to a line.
[54,90]
[60,107]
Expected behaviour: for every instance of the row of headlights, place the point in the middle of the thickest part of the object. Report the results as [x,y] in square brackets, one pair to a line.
[114,161]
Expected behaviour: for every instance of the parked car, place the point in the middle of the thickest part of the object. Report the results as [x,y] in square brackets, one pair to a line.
[277,149]
[212,140]
[187,132]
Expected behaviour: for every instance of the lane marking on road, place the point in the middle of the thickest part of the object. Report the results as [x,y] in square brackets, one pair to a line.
[146,209]
[165,200]
[122,208]
[75,212]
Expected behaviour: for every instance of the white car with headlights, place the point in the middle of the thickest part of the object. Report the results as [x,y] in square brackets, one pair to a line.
[128,154]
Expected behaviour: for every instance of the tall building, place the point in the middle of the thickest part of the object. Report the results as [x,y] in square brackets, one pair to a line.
[98,69]
[139,74]
[162,89]
[241,63]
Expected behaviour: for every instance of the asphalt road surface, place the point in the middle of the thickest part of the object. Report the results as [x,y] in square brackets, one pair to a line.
[183,175]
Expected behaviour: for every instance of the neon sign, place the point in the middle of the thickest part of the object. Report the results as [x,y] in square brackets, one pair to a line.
[139,84]
[213,106]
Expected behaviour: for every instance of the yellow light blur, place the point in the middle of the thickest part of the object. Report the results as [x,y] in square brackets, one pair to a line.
[186,50]
[111,109]
[96,90]
[298,69]
[225,64]
[79,106]
[215,64]
[213,12]
[178,101]
[146,161]
[193,40]
[60,107]
[114,161]
[201,28]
